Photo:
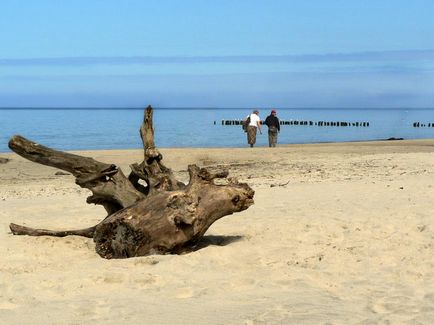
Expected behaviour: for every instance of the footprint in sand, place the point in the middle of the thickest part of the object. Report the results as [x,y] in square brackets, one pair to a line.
[185,293]
[238,284]
[7,305]
[396,305]
[92,309]
[110,278]
[279,314]
[188,292]
[146,280]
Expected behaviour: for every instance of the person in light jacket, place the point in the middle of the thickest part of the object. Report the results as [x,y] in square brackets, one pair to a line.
[253,126]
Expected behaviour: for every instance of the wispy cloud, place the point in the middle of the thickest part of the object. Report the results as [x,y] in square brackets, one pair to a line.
[408,55]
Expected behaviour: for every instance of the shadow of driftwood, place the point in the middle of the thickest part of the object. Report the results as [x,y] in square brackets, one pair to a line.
[211,240]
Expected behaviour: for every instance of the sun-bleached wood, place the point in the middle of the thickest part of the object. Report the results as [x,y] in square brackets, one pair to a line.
[162,216]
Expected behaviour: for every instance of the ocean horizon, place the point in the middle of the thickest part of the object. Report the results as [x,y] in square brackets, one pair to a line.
[214,108]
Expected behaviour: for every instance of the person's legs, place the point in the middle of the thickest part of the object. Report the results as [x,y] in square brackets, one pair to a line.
[272,138]
[251,135]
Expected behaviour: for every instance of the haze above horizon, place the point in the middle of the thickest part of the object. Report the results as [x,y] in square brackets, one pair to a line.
[322,54]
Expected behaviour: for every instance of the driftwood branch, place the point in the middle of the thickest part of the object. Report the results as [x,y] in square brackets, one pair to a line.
[21,230]
[109,186]
[152,170]
[163,215]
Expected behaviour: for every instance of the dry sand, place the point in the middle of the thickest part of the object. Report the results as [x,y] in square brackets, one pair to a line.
[338,234]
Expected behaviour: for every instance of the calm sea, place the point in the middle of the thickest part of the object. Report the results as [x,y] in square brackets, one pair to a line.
[81,129]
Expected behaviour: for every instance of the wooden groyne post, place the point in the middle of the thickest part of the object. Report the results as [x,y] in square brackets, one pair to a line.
[306,123]
[423,125]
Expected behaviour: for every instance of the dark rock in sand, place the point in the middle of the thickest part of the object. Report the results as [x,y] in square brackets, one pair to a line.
[4,160]
[392,139]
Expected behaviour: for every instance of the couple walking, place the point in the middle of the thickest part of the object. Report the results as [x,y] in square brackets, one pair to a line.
[254,124]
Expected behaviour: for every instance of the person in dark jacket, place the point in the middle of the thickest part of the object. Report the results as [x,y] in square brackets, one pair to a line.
[273,123]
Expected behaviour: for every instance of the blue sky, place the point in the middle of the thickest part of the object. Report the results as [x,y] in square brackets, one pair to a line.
[199,53]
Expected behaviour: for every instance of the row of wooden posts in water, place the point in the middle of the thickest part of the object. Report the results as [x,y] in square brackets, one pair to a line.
[423,125]
[322,123]
[308,123]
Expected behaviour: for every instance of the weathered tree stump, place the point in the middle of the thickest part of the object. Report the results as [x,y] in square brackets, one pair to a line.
[162,215]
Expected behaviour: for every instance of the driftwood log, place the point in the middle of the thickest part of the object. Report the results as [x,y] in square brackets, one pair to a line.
[149,211]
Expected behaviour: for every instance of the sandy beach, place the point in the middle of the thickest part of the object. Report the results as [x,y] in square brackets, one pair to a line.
[339,234]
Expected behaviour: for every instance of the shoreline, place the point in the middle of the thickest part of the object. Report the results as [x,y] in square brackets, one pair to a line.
[357,142]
